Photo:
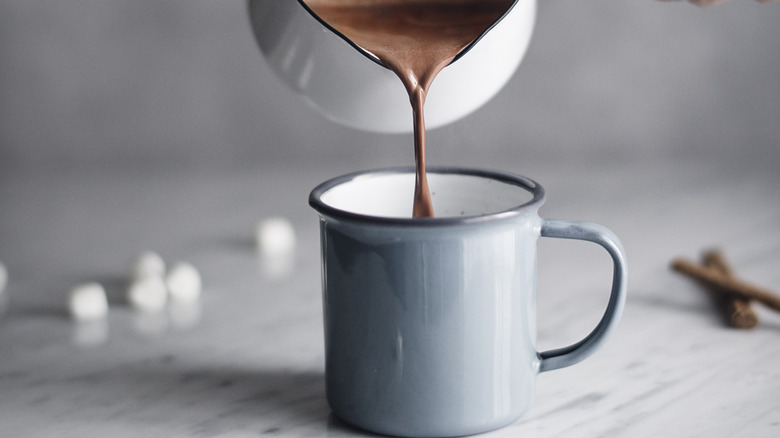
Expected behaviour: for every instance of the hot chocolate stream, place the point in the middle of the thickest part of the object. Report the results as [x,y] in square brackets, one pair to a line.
[415,39]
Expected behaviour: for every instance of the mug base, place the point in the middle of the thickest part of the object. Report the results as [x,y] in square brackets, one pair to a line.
[406,430]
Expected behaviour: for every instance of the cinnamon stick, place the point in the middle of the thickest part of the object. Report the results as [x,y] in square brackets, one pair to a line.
[725,284]
[739,312]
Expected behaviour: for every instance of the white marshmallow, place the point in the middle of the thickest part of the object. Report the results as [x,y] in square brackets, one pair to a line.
[184,283]
[148,294]
[148,263]
[274,237]
[88,302]
[3,277]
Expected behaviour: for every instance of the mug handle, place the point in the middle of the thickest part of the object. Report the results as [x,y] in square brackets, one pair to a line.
[563,229]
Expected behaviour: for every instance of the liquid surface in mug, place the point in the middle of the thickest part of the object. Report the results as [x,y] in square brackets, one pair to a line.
[415,39]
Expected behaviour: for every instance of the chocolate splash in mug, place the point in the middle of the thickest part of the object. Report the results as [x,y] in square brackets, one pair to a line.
[415,39]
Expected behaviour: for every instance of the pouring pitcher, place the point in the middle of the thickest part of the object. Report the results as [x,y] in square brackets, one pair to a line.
[349,86]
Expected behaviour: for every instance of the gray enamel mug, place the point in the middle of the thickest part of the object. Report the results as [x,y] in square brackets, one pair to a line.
[430,323]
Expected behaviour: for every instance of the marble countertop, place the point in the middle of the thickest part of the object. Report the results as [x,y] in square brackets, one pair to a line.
[247,360]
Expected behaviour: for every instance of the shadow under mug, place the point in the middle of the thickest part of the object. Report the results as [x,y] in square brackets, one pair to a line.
[430,323]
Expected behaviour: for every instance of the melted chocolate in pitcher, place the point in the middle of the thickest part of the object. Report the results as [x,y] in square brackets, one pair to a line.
[416,39]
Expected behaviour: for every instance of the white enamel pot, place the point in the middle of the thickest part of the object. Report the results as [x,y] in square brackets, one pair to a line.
[349,86]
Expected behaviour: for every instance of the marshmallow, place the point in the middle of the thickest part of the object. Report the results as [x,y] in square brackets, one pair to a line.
[148,294]
[88,302]
[274,237]
[3,277]
[184,283]
[149,263]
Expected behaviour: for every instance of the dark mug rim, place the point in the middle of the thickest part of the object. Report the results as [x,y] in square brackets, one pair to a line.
[536,190]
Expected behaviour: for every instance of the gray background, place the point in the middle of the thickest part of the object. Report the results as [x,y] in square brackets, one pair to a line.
[180,83]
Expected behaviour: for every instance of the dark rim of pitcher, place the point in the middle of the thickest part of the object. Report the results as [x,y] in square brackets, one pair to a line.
[375,59]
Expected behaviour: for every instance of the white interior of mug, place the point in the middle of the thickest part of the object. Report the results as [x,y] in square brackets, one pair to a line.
[454,195]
